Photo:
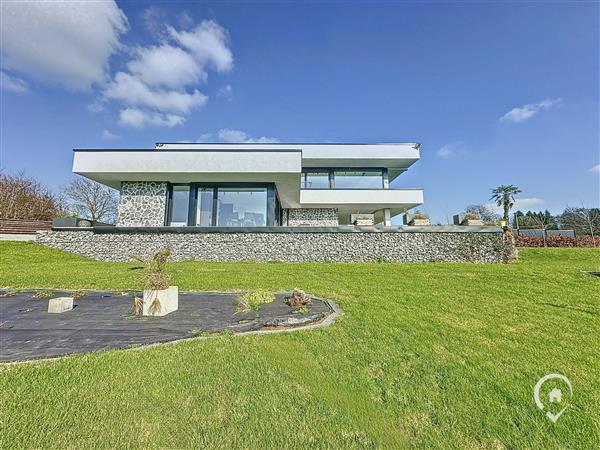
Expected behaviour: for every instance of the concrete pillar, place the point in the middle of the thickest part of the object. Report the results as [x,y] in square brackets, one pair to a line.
[387,218]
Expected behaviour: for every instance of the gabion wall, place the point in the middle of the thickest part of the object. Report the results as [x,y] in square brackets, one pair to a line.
[142,204]
[287,247]
[311,217]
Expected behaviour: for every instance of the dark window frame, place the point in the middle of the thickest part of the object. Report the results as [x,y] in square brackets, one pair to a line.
[331,171]
[272,200]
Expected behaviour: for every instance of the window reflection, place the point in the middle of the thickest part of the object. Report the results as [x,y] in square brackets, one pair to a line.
[241,207]
[359,179]
[204,210]
[315,180]
[179,206]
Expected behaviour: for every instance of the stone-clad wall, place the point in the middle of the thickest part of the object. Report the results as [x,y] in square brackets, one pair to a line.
[291,246]
[142,204]
[312,217]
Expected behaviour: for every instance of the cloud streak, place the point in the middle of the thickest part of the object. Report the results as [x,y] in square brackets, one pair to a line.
[13,84]
[240,137]
[526,112]
[452,149]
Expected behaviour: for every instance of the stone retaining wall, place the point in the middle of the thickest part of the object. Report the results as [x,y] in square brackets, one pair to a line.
[396,246]
[311,217]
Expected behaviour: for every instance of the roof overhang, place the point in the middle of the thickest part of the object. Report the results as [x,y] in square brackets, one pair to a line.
[112,167]
[353,201]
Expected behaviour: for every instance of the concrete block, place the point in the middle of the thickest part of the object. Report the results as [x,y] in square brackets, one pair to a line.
[60,305]
[168,301]
[362,219]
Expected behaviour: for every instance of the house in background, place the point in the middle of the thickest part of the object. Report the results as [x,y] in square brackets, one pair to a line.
[254,185]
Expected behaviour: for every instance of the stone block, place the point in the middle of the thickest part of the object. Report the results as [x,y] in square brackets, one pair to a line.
[168,301]
[60,305]
[362,219]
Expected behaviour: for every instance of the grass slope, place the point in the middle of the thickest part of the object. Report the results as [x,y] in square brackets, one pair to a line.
[428,355]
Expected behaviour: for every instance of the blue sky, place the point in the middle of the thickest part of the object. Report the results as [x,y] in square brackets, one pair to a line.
[497,93]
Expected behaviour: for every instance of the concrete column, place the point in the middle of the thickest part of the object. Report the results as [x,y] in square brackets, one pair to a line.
[387,218]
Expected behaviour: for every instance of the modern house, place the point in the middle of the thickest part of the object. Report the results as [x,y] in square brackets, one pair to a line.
[267,202]
[254,185]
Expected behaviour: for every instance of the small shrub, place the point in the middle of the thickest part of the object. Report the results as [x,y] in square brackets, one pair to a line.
[471,216]
[301,310]
[78,293]
[253,299]
[420,215]
[298,299]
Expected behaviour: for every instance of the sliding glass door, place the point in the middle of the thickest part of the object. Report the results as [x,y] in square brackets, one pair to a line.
[204,209]
[232,205]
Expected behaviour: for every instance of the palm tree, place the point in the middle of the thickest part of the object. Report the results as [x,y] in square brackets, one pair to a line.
[504,196]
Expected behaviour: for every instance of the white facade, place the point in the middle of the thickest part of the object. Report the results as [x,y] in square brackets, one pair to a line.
[349,178]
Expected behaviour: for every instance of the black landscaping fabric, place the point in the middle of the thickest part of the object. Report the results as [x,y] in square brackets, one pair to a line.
[102,320]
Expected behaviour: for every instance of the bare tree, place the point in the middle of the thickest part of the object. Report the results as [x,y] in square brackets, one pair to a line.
[583,220]
[486,213]
[23,197]
[544,222]
[90,200]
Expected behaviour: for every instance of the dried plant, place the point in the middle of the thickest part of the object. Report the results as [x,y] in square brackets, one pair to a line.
[137,306]
[472,216]
[297,299]
[155,274]
[155,306]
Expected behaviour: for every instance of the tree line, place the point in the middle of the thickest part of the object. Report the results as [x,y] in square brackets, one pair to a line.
[24,197]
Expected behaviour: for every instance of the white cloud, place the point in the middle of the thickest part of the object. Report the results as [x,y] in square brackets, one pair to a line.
[132,91]
[160,84]
[13,84]
[203,138]
[226,92]
[520,203]
[166,66]
[526,112]
[95,107]
[595,169]
[137,118]
[67,43]
[455,148]
[527,202]
[240,137]
[108,135]
[70,43]
[208,42]
[153,19]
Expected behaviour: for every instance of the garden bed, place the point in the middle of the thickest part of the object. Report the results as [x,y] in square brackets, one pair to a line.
[102,320]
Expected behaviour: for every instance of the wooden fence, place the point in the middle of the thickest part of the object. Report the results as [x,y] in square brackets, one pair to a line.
[18,226]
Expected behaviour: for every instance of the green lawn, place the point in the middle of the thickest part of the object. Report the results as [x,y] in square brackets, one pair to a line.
[429,355]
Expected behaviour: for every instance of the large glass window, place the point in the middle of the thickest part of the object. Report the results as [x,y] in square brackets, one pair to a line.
[315,180]
[241,207]
[180,201]
[358,179]
[204,208]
